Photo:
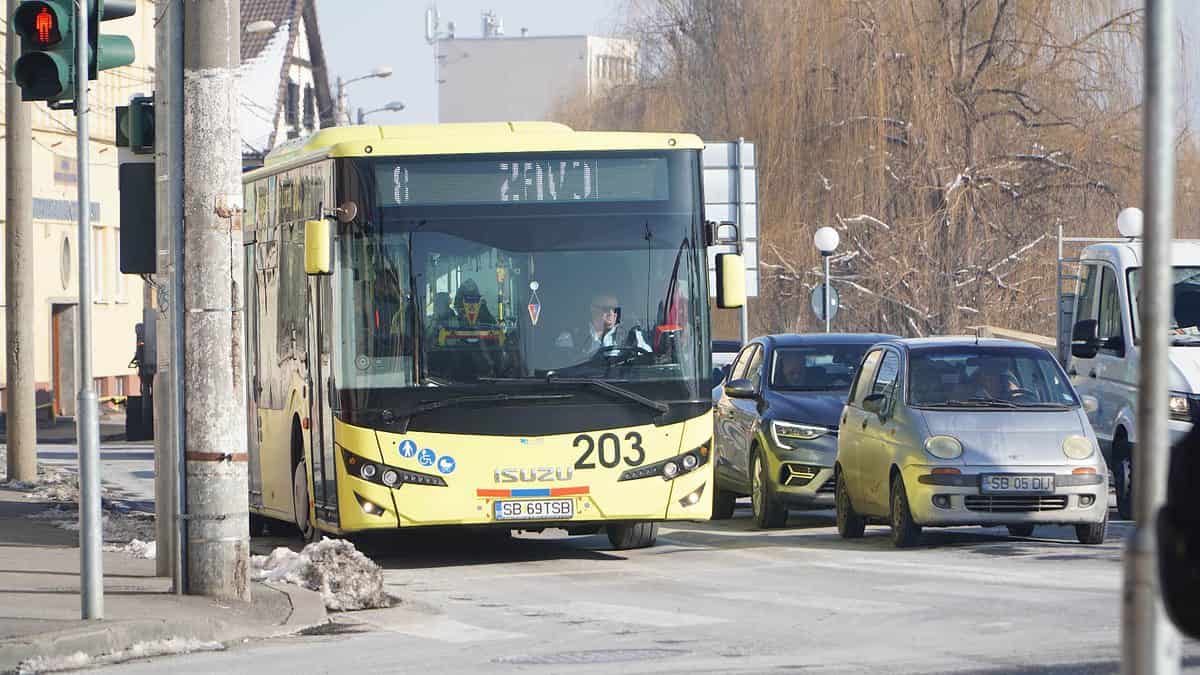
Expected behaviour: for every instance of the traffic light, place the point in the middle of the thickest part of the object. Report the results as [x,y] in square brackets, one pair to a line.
[135,125]
[45,71]
[108,51]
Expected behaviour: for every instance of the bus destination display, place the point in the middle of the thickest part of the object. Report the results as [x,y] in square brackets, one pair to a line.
[404,182]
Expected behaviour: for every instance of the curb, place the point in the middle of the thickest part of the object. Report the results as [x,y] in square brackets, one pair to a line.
[302,609]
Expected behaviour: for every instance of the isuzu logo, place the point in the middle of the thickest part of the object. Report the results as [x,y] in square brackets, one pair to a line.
[538,474]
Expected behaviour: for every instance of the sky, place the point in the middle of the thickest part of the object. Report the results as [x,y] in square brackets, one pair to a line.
[360,35]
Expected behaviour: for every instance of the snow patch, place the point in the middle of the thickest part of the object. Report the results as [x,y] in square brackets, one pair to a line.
[146,550]
[346,579]
[139,650]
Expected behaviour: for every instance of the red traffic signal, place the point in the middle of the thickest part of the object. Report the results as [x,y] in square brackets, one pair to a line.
[38,22]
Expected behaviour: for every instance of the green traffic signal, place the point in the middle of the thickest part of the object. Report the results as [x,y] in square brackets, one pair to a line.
[108,51]
[45,71]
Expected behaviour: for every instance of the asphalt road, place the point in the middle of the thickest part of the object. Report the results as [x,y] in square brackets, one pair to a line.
[127,469]
[719,597]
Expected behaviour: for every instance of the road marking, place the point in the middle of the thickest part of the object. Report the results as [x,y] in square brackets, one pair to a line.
[438,628]
[823,602]
[599,611]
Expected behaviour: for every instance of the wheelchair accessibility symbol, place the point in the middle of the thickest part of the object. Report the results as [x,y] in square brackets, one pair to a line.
[426,457]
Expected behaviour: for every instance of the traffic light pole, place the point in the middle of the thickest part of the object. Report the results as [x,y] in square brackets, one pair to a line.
[218,545]
[1150,644]
[87,419]
[20,405]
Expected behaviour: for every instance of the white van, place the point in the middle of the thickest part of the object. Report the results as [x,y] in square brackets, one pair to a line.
[1098,345]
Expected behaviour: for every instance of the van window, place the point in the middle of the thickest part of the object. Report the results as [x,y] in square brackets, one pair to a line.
[1088,281]
[1110,314]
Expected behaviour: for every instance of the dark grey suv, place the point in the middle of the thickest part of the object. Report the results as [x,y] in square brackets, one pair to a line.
[776,421]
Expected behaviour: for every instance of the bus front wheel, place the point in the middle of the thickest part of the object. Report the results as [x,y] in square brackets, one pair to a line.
[625,536]
[300,503]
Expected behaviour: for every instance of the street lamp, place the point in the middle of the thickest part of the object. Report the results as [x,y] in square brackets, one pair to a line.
[394,106]
[826,239]
[377,71]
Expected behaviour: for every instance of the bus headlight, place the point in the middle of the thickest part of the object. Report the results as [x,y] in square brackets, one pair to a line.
[671,468]
[944,447]
[390,478]
[1077,447]
[368,471]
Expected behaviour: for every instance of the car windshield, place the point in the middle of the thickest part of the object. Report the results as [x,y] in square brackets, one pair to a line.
[441,287]
[826,367]
[1185,289]
[987,377]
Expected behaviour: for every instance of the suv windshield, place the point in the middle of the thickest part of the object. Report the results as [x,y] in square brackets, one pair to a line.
[987,377]
[816,367]
[469,272]
[1185,289]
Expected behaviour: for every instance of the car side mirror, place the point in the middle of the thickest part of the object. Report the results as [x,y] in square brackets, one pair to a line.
[740,388]
[875,403]
[1085,339]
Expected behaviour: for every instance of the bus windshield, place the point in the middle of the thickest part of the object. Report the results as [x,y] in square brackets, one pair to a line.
[468,272]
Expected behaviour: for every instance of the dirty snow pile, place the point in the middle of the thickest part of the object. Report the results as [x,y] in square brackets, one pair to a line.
[346,579]
[140,650]
[146,550]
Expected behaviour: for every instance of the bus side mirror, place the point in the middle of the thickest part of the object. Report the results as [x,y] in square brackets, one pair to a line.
[317,254]
[731,281]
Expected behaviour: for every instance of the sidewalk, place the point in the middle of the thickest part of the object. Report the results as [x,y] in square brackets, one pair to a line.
[39,598]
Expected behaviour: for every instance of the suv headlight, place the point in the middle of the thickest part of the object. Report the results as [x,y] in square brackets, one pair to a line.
[1077,447]
[786,433]
[1179,406]
[943,447]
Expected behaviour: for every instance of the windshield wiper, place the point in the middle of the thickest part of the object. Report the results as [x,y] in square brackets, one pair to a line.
[657,406]
[430,406]
[978,402]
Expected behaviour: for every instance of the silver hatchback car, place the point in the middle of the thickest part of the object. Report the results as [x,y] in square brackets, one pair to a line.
[960,431]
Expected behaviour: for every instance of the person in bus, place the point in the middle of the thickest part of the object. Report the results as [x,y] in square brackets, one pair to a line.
[604,329]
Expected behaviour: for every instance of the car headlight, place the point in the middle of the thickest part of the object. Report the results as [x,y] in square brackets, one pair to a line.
[1179,406]
[784,433]
[943,447]
[1077,447]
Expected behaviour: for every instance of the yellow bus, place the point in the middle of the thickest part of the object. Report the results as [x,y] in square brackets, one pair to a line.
[501,325]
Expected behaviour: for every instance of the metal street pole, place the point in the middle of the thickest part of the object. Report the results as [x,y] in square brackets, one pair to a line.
[361,115]
[1150,644]
[87,420]
[340,112]
[826,257]
[20,403]
[171,494]
[744,311]
[218,550]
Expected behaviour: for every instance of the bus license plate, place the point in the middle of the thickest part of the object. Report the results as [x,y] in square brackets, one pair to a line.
[535,509]
[994,483]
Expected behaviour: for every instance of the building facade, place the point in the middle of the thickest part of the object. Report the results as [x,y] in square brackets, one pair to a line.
[117,298]
[499,79]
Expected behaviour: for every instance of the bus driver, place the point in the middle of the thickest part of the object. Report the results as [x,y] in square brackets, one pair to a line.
[602,329]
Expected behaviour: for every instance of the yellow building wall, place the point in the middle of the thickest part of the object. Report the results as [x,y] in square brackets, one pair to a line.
[118,298]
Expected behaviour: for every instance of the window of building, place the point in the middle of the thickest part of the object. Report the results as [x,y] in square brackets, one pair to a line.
[99,260]
[310,107]
[291,104]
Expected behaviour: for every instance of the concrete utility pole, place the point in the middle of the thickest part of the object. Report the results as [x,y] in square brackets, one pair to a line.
[1150,644]
[87,420]
[218,525]
[21,406]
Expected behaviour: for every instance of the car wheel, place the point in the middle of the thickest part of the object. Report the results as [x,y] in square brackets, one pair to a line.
[301,508]
[850,525]
[723,504]
[1123,478]
[624,536]
[905,531]
[1092,534]
[769,512]
[1023,530]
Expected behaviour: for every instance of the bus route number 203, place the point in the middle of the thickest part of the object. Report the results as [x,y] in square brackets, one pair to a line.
[609,450]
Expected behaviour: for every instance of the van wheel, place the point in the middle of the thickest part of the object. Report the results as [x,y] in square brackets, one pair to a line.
[1022,530]
[625,536]
[905,532]
[301,507]
[769,512]
[850,525]
[1123,476]
[1092,534]
[723,504]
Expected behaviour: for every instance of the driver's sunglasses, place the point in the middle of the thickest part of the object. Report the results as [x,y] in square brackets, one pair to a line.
[606,309]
